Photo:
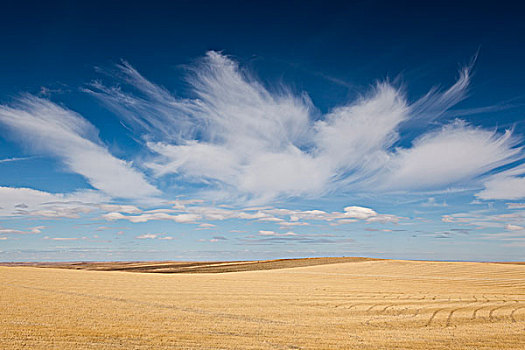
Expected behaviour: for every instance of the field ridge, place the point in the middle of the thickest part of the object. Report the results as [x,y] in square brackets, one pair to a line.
[193,266]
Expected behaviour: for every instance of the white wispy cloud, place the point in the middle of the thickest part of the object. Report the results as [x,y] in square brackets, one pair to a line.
[147,236]
[206,226]
[483,219]
[456,152]
[276,234]
[246,140]
[516,205]
[45,127]
[65,238]
[509,184]
[13,159]
[512,227]
[166,238]
[31,230]
[19,201]
[127,209]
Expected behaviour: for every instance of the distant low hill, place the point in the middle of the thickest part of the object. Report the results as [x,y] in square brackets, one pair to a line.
[194,267]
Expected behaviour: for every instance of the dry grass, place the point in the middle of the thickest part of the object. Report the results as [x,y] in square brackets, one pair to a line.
[354,305]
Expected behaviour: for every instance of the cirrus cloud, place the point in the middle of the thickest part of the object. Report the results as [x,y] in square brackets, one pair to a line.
[242,139]
[45,127]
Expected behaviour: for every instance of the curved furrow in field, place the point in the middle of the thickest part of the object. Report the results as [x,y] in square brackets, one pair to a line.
[513,312]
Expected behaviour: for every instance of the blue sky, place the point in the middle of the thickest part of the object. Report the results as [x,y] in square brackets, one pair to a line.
[201,130]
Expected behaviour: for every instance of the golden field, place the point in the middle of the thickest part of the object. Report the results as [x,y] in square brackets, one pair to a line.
[354,304]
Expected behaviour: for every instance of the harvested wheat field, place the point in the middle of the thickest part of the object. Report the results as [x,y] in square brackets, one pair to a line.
[360,304]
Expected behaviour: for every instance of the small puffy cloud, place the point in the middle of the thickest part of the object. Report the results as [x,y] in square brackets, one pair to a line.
[359,213]
[267,233]
[160,236]
[512,227]
[37,229]
[289,233]
[147,236]
[113,216]
[127,209]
